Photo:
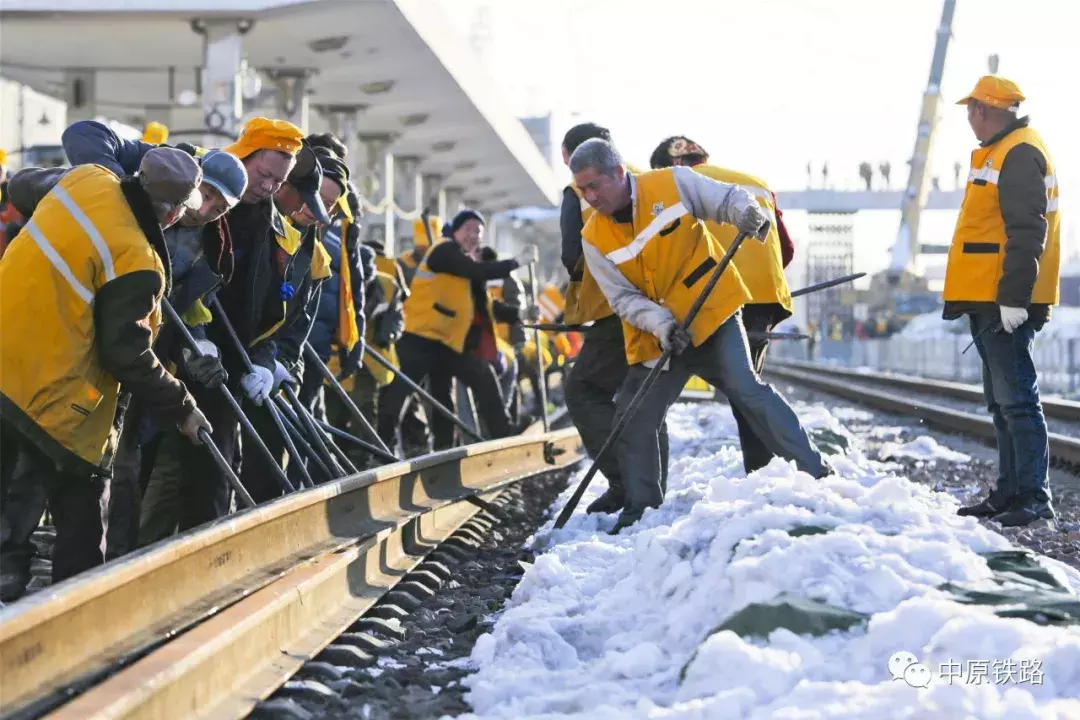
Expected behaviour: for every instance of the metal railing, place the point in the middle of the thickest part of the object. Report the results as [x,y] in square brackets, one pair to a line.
[1056,359]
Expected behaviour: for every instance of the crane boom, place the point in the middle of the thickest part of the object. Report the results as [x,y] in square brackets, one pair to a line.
[906,248]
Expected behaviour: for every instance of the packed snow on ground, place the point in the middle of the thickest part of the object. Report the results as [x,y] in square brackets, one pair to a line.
[602,626]
[921,448]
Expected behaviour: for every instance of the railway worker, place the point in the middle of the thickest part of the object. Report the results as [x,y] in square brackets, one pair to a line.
[200,250]
[760,265]
[651,257]
[600,367]
[187,489]
[92,261]
[1002,273]
[449,327]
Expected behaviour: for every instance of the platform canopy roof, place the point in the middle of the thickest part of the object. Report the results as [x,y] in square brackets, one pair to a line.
[417,80]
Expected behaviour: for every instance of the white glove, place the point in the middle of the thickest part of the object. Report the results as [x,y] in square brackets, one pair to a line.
[753,221]
[192,424]
[1012,318]
[206,349]
[528,255]
[258,384]
[281,375]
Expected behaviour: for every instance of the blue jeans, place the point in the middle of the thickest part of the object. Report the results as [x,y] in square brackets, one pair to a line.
[1011,387]
[723,360]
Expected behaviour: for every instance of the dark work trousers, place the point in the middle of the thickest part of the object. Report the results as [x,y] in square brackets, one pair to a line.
[135,459]
[593,381]
[421,358]
[79,506]
[256,475]
[756,319]
[186,488]
[441,387]
[363,394]
[724,361]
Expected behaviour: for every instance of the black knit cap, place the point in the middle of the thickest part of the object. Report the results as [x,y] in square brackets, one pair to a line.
[463,216]
[333,167]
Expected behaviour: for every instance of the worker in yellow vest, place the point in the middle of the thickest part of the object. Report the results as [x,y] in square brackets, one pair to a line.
[423,238]
[449,328]
[1002,273]
[510,336]
[80,293]
[761,266]
[651,255]
[600,367]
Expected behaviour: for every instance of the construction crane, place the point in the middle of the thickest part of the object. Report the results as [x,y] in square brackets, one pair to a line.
[906,248]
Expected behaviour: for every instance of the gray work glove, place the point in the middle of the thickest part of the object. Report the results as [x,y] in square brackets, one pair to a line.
[282,376]
[674,337]
[257,384]
[192,424]
[753,221]
[206,369]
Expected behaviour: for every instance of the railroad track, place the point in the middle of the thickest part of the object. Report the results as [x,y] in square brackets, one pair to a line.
[879,391]
[210,623]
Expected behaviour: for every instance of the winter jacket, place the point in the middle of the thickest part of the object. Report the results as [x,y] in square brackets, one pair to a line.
[325,330]
[1022,193]
[95,321]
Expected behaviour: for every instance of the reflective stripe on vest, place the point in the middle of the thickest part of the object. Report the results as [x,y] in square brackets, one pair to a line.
[58,262]
[89,229]
[631,251]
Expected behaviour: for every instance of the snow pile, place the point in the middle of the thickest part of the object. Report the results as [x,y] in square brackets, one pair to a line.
[622,627]
[1064,323]
[922,448]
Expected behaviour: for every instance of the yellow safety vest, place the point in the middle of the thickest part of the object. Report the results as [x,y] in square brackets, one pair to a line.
[383,376]
[667,254]
[440,307]
[82,236]
[585,301]
[389,266]
[495,290]
[421,238]
[977,253]
[551,303]
[760,264]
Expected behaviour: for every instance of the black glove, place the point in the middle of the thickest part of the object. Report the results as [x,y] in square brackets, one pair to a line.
[675,338]
[350,362]
[388,327]
[353,198]
[207,371]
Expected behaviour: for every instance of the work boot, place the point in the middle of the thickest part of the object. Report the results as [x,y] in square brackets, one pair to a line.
[610,501]
[986,508]
[626,519]
[1025,512]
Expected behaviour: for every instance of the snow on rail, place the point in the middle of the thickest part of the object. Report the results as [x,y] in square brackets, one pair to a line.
[623,627]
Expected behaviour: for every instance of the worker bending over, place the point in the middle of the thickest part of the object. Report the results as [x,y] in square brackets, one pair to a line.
[1003,274]
[651,257]
[761,266]
[80,294]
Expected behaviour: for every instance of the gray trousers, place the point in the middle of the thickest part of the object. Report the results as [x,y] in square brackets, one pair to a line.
[591,385]
[724,361]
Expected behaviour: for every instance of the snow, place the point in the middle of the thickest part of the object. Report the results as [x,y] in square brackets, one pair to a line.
[602,626]
[922,448]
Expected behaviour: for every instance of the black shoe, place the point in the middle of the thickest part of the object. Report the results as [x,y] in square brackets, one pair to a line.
[1025,513]
[626,519]
[986,508]
[611,501]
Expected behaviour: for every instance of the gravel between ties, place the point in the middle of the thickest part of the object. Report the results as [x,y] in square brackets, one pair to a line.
[410,666]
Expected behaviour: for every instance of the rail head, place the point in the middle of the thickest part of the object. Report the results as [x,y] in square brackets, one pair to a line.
[98,618]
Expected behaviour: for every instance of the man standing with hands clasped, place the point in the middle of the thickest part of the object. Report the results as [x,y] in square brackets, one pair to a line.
[1003,274]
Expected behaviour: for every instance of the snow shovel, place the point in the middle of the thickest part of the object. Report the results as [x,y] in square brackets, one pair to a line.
[635,402]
